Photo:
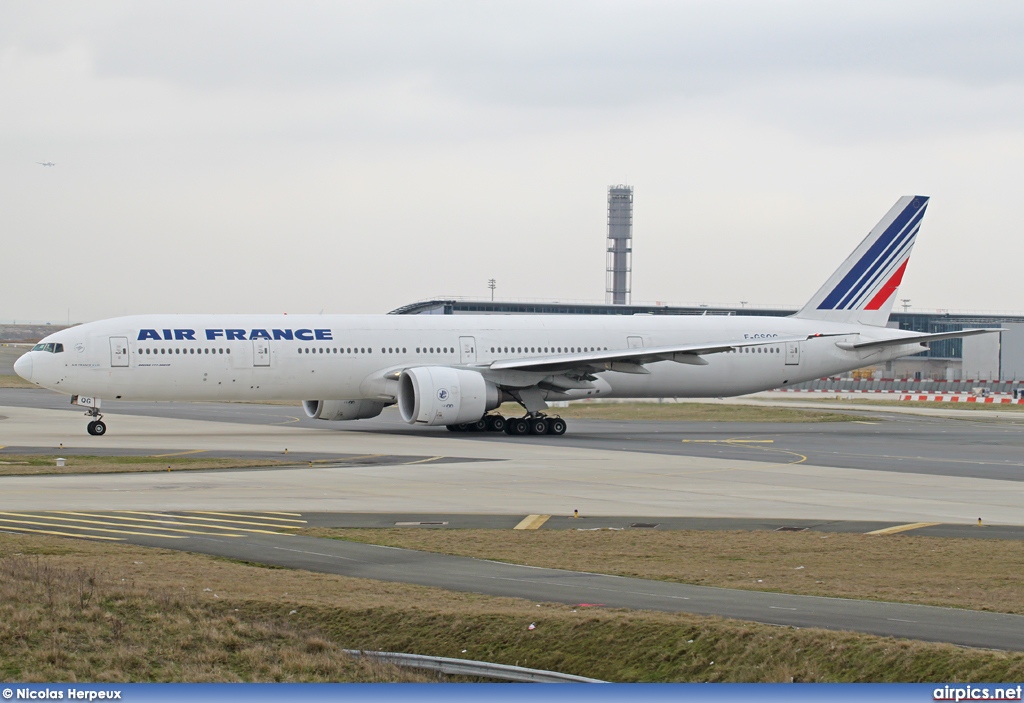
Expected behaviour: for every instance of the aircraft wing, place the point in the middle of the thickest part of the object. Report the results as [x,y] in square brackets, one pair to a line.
[919,339]
[632,360]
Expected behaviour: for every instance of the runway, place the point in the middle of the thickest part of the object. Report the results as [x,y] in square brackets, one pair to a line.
[841,476]
[896,471]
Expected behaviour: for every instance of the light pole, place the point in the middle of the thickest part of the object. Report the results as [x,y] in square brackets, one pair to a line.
[492,284]
[906,303]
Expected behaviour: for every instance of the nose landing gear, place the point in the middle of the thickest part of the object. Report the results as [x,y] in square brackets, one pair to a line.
[96,426]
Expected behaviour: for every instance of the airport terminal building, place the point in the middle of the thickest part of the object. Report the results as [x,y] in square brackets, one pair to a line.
[984,357]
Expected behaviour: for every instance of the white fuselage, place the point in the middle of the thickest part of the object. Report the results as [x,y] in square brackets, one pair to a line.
[301,357]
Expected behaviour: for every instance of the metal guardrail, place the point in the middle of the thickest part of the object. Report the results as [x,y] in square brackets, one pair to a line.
[469,667]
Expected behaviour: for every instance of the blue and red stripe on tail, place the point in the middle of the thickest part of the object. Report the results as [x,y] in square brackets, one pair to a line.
[863,289]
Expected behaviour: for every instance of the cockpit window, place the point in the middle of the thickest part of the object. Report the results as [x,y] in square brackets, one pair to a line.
[49,347]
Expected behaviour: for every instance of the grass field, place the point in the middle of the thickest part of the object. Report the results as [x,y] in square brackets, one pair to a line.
[922,570]
[35,464]
[13,381]
[687,412]
[72,610]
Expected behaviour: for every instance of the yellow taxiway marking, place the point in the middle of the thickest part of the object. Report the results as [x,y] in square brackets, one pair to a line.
[423,461]
[234,523]
[180,521]
[90,529]
[60,534]
[729,441]
[197,515]
[271,512]
[903,528]
[48,515]
[254,517]
[532,522]
[193,451]
[347,458]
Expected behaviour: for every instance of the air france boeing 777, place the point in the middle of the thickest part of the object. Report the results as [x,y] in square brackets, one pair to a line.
[454,370]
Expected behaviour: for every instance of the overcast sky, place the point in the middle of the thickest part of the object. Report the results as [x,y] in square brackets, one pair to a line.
[356,156]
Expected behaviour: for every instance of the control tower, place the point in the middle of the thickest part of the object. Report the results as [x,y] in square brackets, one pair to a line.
[619,278]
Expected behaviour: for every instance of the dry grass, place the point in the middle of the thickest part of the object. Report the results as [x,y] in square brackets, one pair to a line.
[10,381]
[903,568]
[687,412]
[73,610]
[36,464]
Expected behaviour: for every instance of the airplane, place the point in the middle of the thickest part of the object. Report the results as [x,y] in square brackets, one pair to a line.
[454,370]
[46,163]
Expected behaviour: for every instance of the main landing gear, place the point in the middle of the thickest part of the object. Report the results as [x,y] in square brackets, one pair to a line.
[534,424]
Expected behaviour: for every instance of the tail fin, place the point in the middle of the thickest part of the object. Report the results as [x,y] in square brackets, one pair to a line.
[863,289]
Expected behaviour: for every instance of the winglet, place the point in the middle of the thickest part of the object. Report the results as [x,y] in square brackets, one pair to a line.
[864,288]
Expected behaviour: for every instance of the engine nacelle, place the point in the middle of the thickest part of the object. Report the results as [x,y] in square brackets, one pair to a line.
[438,395]
[342,409]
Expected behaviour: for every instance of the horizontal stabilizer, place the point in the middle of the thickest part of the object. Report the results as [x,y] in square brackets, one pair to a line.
[919,339]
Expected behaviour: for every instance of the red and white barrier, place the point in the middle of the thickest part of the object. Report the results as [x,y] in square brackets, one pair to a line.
[964,398]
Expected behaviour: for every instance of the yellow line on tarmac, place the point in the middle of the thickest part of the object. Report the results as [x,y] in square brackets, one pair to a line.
[729,441]
[48,516]
[91,529]
[272,512]
[532,522]
[254,517]
[180,521]
[196,515]
[903,528]
[422,461]
[234,523]
[61,534]
[194,451]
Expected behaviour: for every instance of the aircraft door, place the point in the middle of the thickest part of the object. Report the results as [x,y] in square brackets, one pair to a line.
[467,347]
[119,351]
[792,353]
[260,352]
[635,342]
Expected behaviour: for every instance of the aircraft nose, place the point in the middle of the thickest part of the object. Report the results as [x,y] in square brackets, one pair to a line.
[23,366]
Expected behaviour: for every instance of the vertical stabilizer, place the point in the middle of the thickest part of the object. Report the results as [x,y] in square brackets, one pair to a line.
[863,289]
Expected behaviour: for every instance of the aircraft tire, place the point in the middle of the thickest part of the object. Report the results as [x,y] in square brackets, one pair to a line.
[97,428]
[517,426]
[539,425]
[495,423]
[556,426]
[478,426]
[454,428]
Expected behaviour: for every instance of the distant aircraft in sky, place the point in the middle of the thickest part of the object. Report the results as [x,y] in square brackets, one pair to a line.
[46,163]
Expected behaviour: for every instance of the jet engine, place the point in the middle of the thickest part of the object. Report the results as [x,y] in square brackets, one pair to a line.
[438,395]
[342,409]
